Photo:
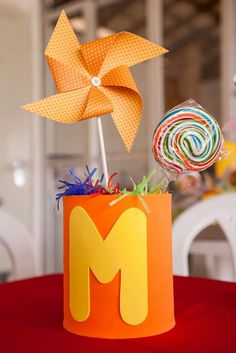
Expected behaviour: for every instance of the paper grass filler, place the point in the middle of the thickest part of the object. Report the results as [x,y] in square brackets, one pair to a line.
[117,259]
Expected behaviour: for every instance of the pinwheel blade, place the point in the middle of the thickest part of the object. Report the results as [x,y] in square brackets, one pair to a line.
[119,77]
[65,78]
[63,107]
[98,104]
[65,47]
[95,51]
[129,49]
[126,101]
[127,110]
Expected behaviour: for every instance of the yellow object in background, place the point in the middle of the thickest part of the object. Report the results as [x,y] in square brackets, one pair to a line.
[226,163]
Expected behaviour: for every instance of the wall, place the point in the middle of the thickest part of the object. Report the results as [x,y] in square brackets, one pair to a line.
[15,90]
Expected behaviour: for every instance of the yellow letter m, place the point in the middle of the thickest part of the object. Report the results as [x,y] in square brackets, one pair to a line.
[124,249]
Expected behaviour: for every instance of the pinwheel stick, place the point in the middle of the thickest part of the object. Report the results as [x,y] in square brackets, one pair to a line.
[102,147]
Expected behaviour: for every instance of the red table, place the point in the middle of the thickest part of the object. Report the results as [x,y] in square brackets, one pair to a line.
[31,314]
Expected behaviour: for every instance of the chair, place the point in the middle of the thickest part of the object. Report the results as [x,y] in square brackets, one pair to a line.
[220,209]
[19,244]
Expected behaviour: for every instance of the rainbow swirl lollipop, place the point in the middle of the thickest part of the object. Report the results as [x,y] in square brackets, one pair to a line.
[187,139]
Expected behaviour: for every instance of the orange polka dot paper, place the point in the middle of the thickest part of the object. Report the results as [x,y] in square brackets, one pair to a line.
[94,79]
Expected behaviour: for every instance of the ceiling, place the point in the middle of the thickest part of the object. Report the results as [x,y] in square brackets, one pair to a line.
[185,22]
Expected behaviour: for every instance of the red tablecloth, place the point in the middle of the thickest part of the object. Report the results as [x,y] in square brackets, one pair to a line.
[31,314]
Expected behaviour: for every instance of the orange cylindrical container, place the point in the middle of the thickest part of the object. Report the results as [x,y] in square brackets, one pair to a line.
[103,316]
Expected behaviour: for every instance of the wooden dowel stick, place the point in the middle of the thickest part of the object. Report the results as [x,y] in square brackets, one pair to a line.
[102,147]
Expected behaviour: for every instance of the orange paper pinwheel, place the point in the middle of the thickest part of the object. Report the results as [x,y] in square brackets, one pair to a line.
[94,78]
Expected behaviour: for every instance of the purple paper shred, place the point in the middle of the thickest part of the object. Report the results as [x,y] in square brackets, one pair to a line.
[79,187]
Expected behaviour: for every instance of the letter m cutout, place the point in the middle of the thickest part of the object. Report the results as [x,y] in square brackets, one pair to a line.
[124,249]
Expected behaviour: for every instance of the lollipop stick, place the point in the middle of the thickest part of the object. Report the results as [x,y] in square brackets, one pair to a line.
[102,147]
[168,177]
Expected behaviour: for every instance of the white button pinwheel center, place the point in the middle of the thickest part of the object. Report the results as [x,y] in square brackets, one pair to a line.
[95,81]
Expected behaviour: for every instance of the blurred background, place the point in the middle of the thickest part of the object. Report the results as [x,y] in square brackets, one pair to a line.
[35,152]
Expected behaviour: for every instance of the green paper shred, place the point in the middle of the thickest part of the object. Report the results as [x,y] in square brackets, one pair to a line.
[143,187]
[141,190]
